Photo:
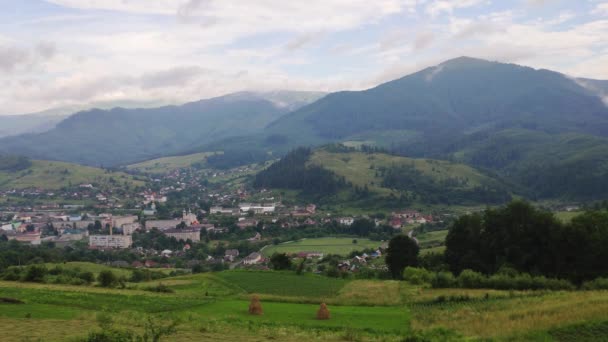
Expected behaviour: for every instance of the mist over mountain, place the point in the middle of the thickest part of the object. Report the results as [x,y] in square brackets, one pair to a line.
[120,136]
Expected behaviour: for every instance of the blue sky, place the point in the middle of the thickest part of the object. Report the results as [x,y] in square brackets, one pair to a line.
[58,53]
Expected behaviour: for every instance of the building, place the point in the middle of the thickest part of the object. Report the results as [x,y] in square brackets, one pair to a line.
[257,208]
[223,211]
[110,241]
[252,259]
[231,254]
[193,234]
[244,223]
[119,221]
[162,224]
[130,228]
[347,221]
[189,218]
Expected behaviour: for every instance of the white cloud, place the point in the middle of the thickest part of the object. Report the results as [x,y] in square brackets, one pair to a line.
[437,7]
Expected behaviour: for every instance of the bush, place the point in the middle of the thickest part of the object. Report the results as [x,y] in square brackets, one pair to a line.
[107,279]
[417,276]
[35,274]
[87,277]
[443,280]
[471,280]
[162,288]
[596,284]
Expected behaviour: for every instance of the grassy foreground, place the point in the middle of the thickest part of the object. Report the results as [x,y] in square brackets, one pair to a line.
[213,307]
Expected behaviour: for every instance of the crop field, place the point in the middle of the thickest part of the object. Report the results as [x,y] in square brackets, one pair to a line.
[340,246]
[213,307]
[96,268]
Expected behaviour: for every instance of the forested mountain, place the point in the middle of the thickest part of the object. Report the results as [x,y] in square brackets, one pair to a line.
[537,128]
[121,136]
[11,125]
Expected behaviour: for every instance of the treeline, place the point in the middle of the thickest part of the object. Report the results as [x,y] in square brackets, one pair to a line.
[447,191]
[14,163]
[530,240]
[291,172]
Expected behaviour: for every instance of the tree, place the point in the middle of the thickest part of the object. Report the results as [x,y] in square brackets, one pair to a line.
[402,252]
[280,261]
[107,279]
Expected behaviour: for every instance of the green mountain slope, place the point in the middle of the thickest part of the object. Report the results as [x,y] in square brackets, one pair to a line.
[167,164]
[52,175]
[337,174]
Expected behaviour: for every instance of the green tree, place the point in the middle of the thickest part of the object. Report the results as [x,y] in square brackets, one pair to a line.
[280,261]
[402,252]
[107,279]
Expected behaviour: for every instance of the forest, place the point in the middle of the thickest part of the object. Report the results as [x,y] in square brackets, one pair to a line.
[530,240]
[291,172]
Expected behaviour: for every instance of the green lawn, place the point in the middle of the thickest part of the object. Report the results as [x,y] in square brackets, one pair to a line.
[432,239]
[340,246]
[567,216]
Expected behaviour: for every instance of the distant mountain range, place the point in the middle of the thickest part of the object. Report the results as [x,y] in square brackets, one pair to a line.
[120,136]
[540,129]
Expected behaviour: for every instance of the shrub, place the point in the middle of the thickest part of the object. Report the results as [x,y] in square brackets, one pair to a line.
[159,288]
[35,274]
[596,284]
[471,280]
[417,276]
[107,279]
[87,277]
[443,280]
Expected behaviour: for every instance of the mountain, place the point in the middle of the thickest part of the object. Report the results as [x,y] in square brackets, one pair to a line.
[11,125]
[122,136]
[530,126]
[459,96]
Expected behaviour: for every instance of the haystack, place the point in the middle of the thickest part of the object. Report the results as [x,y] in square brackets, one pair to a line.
[255,307]
[323,313]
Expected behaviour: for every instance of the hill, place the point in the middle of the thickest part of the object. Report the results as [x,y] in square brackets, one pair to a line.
[123,136]
[167,164]
[338,174]
[53,175]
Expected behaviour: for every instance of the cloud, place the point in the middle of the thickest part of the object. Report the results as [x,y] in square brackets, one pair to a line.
[178,76]
[13,57]
[600,9]
[423,39]
[303,40]
[437,7]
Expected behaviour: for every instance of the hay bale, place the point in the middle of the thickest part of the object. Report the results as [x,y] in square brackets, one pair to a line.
[255,307]
[323,312]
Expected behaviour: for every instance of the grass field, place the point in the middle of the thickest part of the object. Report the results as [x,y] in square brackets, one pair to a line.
[432,239]
[213,307]
[567,216]
[55,175]
[168,164]
[340,246]
[356,167]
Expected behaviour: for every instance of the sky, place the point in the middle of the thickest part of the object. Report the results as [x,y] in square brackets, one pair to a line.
[58,53]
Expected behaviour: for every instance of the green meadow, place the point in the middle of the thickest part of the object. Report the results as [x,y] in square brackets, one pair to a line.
[213,307]
[327,245]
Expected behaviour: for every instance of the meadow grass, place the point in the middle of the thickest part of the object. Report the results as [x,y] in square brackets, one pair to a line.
[55,175]
[167,164]
[327,245]
[284,283]
[567,216]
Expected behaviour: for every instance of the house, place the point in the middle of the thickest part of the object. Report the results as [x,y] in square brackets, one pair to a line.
[311,208]
[166,253]
[32,238]
[193,234]
[396,223]
[7,227]
[347,221]
[231,254]
[256,237]
[223,211]
[130,228]
[110,241]
[252,259]
[310,255]
[137,264]
[257,208]
[244,223]
[150,263]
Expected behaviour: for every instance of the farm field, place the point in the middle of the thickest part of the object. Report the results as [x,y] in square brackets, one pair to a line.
[213,307]
[340,246]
